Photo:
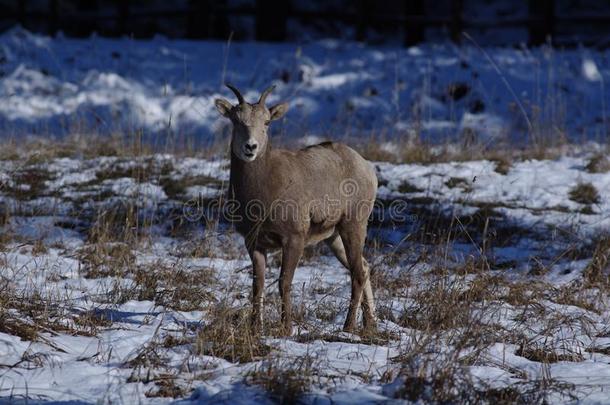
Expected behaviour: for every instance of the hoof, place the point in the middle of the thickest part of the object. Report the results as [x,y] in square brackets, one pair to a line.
[370,332]
[349,327]
[256,324]
[369,325]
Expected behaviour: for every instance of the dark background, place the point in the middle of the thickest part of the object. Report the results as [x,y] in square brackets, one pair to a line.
[490,22]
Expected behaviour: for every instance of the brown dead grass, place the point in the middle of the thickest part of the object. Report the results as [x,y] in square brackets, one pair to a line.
[449,317]
[175,287]
[28,183]
[597,272]
[228,335]
[584,193]
[40,149]
[286,383]
[167,386]
[598,163]
[106,259]
[546,355]
[30,314]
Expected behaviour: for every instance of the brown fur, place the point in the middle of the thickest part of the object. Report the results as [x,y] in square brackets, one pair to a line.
[291,199]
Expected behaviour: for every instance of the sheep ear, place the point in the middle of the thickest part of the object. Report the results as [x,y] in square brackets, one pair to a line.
[223,106]
[278,111]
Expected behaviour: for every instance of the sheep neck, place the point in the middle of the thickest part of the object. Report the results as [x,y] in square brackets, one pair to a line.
[247,179]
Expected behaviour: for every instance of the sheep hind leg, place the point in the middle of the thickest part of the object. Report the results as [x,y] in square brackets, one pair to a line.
[336,246]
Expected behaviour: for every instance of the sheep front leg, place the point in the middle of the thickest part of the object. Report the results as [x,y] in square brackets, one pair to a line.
[259,263]
[291,254]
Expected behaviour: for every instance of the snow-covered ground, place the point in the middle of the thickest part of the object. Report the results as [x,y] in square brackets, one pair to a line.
[120,282]
[166,88]
[126,311]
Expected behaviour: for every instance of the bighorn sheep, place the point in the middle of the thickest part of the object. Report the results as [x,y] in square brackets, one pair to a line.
[291,199]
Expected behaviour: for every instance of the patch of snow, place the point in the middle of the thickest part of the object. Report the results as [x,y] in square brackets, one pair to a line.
[160,85]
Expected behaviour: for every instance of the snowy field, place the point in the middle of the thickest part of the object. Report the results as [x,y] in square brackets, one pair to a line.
[120,281]
[336,89]
[117,286]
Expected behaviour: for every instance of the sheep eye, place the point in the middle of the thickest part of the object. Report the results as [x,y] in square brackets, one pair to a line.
[267,123]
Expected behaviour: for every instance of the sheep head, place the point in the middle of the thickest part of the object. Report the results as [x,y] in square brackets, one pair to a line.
[250,123]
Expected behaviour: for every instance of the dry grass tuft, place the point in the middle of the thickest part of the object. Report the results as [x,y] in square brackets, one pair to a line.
[458,182]
[212,243]
[176,187]
[6,235]
[13,325]
[454,386]
[597,272]
[43,149]
[453,302]
[452,318]
[28,183]
[584,193]
[28,314]
[166,386]
[545,355]
[174,287]
[443,386]
[285,383]
[503,165]
[92,322]
[122,221]
[599,163]
[106,259]
[228,335]
[406,187]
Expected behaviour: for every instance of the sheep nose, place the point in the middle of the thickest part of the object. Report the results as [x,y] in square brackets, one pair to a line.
[251,147]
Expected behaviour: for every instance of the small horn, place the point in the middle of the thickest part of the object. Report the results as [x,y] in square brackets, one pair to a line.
[265,94]
[240,98]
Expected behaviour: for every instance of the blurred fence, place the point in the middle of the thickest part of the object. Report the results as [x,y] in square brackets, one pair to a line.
[212,19]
